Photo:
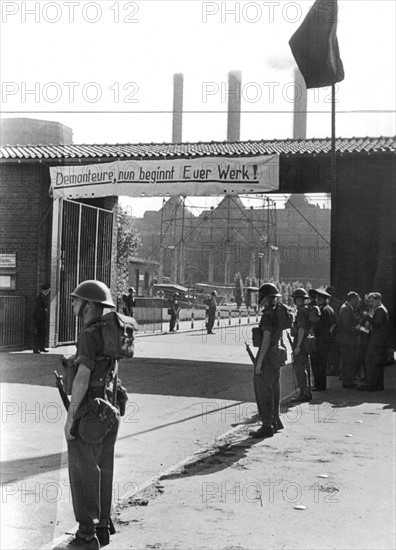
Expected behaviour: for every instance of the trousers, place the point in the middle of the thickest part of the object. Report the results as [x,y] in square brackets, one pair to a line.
[267,392]
[40,335]
[91,481]
[301,368]
[375,367]
[348,363]
[172,322]
[211,321]
[319,366]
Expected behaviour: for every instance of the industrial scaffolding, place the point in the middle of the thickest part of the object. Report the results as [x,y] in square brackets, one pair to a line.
[211,246]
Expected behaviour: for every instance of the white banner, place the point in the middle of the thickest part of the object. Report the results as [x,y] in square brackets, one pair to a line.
[157,178]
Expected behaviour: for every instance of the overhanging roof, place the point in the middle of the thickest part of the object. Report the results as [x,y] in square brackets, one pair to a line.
[78,153]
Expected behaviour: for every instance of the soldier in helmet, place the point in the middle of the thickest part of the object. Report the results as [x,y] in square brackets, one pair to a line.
[174,310]
[266,379]
[211,312]
[301,330]
[90,466]
[323,333]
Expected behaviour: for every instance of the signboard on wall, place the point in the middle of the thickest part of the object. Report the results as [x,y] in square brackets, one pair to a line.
[159,177]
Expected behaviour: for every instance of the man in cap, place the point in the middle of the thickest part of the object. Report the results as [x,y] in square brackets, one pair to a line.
[266,378]
[174,310]
[40,317]
[301,330]
[212,308]
[347,337]
[90,465]
[323,333]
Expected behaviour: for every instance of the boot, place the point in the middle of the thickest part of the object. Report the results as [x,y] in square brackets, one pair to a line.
[263,432]
[277,425]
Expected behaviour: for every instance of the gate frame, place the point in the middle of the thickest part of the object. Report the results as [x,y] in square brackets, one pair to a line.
[56,263]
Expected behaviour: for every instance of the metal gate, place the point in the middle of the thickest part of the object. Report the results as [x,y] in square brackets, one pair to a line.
[12,321]
[85,253]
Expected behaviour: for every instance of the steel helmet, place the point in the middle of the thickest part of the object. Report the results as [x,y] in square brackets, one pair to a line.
[214,293]
[94,291]
[300,293]
[268,289]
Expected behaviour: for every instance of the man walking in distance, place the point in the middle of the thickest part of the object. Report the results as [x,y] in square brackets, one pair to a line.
[130,302]
[266,379]
[212,312]
[378,344]
[324,338]
[300,332]
[347,336]
[174,309]
[40,317]
[90,465]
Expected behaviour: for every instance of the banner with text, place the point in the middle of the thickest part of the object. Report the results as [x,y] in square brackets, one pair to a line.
[157,178]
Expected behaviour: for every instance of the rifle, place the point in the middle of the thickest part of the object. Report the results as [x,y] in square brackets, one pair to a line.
[250,354]
[62,393]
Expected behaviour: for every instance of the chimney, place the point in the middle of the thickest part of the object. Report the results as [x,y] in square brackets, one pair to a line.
[177,121]
[300,107]
[234,106]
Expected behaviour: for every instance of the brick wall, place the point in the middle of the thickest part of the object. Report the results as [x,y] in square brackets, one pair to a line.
[26,218]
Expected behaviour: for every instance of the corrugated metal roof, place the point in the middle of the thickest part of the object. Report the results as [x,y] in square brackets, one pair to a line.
[214,148]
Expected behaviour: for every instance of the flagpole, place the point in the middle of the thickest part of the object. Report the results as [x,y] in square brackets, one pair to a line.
[333,172]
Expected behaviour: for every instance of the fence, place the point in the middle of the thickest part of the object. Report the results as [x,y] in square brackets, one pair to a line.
[12,321]
[149,314]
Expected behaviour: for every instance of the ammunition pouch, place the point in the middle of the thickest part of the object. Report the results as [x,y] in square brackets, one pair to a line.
[95,419]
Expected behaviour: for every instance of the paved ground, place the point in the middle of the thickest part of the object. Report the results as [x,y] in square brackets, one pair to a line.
[175,406]
[228,492]
[326,481]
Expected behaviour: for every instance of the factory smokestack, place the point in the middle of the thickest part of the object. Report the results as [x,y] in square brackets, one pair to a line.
[300,107]
[234,106]
[177,121]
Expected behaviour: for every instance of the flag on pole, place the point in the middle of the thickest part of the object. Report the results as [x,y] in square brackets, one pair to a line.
[315,46]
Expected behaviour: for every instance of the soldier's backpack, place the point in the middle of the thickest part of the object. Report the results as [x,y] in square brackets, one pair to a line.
[284,320]
[284,316]
[118,333]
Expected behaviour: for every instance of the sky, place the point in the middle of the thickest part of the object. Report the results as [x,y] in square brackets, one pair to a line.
[105,68]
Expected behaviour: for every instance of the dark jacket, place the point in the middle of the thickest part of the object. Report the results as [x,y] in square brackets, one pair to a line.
[379,327]
[326,321]
[346,333]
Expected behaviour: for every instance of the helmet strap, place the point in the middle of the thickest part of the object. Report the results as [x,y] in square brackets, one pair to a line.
[80,312]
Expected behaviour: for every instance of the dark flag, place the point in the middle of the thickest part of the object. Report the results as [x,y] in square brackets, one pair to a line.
[315,46]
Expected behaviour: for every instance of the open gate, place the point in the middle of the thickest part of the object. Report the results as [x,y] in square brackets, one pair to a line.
[85,245]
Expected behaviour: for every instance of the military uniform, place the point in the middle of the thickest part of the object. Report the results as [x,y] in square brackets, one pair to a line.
[174,313]
[324,340]
[91,465]
[301,360]
[314,359]
[267,382]
[211,314]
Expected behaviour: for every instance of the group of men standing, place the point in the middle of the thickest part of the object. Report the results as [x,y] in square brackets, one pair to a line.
[354,337]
